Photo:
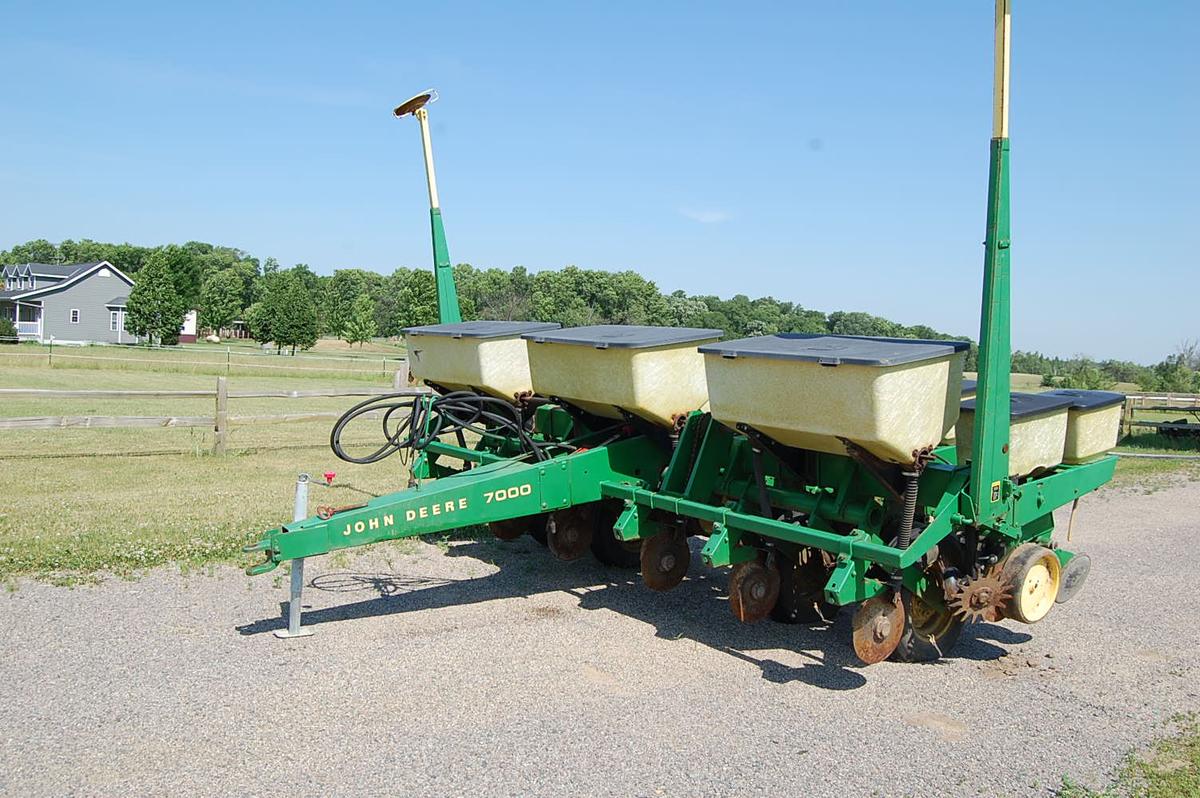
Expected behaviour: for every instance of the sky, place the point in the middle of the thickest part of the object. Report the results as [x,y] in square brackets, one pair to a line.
[830,154]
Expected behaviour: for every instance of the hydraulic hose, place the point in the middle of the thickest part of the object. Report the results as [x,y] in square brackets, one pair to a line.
[412,423]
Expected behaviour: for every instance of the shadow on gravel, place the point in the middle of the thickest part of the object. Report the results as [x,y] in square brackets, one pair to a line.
[696,610]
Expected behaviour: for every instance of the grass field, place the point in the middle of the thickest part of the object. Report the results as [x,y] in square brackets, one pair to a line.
[78,501]
[84,501]
[329,358]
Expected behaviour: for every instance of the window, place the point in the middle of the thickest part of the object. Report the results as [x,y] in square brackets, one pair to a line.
[74,315]
[113,320]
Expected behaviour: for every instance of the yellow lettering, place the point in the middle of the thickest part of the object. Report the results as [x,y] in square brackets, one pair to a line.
[449,507]
[462,504]
[423,512]
[437,509]
[373,523]
[410,515]
[359,526]
[389,520]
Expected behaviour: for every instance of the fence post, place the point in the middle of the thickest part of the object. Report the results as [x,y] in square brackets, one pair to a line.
[221,422]
[227,360]
[400,380]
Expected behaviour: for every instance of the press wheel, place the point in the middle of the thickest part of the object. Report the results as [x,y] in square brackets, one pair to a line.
[931,629]
[802,589]
[569,532]
[1033,574]
[753,590]
[665,558]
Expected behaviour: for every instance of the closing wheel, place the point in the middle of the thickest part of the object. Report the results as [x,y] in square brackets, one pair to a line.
[569,532]
[931,629]
[1074,574]
[753,590]
[1033,575]
[802,589]
[878,625]
[665,558]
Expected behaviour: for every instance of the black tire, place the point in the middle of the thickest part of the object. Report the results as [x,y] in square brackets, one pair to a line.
[930,630]
[606,547]
[802,590]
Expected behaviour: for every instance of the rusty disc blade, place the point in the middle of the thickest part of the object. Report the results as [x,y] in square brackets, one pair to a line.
[665,559]
[878,626]
[569,533]
[753,591]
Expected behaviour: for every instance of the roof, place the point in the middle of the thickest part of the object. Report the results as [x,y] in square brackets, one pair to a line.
[59,270]
[117,301]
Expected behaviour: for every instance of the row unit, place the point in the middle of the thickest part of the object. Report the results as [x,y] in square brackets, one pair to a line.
[889,396]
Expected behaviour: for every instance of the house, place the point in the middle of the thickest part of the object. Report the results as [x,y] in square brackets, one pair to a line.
[72,303]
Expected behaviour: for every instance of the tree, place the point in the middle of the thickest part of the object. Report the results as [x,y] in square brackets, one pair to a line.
[155,310]
[292,312]
[258,322]
[342,293]
[360,327]
[221,300]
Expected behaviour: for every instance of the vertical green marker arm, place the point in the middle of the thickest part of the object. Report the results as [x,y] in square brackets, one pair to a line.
[989,469]
[447,295]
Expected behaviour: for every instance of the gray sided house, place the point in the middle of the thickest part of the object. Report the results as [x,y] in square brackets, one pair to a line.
[72,303]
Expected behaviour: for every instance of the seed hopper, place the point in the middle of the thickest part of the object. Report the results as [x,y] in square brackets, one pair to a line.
[824,470]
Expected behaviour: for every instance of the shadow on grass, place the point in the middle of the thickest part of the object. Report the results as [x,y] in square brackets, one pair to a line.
[696,610]
[1162,443]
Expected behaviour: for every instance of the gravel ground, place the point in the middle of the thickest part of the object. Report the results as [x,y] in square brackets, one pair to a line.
[492,669]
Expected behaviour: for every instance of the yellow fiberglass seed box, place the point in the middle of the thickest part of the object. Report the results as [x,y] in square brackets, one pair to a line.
[487,356]
[891,396]
[1036,437]
[968,392]
[654,373]
[1093,423]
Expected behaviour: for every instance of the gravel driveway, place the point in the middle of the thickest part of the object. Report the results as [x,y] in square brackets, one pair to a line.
[494,670]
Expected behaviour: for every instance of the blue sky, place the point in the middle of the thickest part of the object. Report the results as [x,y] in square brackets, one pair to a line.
[833,154]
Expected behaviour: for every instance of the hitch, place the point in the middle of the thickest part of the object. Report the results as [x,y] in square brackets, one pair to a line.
[267,565]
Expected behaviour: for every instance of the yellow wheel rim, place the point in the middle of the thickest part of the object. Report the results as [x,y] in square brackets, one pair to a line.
[1039,588]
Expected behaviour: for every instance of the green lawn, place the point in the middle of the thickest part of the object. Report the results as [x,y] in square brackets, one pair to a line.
[330,358]
[87,500]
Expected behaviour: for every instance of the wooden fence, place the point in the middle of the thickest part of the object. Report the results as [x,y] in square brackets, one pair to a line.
[220,421]
[1166,402]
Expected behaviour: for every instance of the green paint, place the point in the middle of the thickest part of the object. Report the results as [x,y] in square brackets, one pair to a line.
[447,294]
[989,475]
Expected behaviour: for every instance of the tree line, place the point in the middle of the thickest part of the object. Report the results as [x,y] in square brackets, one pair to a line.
[293,307]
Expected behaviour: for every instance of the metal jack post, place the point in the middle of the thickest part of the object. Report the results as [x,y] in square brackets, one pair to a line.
[299,513]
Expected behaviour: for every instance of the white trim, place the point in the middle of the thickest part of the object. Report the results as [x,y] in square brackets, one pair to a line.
[80,276]
[74,316]
[114,321]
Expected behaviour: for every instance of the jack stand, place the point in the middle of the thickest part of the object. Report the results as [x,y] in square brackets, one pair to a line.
[299,513]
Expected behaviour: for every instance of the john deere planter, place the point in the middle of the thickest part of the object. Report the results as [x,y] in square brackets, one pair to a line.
[823,470]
